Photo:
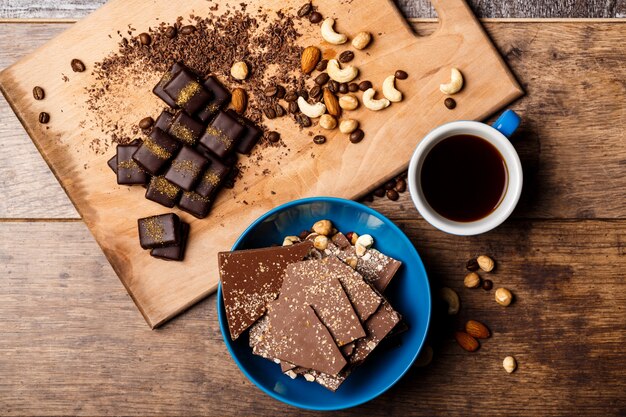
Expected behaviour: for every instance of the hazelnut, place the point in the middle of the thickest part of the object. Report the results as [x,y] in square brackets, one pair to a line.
[320,242]
[290,240]
[503,296]
[352,262]
[239,70]
[485,263]
[352,237]
[348,126]
[348,102]
[328,122]
[472,280]
[323,227]
[509,363]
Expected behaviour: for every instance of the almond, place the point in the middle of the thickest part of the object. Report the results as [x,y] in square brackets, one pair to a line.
[466,341]
[310,57]
[477,329]
[239,100]
[331,102]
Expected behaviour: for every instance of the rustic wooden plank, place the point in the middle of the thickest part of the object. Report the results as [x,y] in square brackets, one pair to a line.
[48,9]
[73,343]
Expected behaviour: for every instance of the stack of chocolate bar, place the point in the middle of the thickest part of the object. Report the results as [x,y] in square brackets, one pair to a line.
[190,150]
[318,313]
[164,235]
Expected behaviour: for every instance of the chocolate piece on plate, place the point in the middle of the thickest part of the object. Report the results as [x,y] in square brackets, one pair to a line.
[341,240]
[250,135]
[213,177]
[156,150]
[174,252]
[220,97]
[162,191]
[186,168]
[164,121]
[161,230]
[187,92]
[112,163]
[222,135]
[167,77]
[251,278]
[128,171]
[378,327]
[193,203]
[186,129]
[314,283]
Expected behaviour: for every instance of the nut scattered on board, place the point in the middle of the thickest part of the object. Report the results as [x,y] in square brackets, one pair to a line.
[341,75]
[390,91]
[320,242]
[332,104]
[323,227]
[239,71]
[374,104]
[311,110]
[239,100]
[363,243]
[328,122]
[452,299]
[503,296]
[348,126]
[477,329]
[425,357]
[329,34]
[290,240]
[362,40]
[510,364]
[466,341]
[472,280]
[310,57]
[348,102]
[455,85]
[485,263]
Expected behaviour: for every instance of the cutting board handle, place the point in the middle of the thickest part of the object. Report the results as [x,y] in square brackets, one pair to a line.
[453,11]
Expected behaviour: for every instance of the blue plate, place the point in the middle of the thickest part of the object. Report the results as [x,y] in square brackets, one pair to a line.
[409,294]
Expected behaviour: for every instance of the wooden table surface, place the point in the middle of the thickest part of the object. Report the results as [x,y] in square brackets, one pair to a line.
[72,341]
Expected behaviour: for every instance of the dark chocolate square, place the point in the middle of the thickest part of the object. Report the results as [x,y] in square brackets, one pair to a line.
[174,252]
[222,135]
[164,121]
[186,129]
[250,136]
[112,163]
[156,150]
[220,98]
[161,230]
[187,92]
[193,203]
[159,91]
[213,177]
[186,168]
[163,192]
[128,171]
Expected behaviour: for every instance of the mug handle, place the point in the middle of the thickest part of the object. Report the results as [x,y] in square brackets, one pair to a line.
[507,123]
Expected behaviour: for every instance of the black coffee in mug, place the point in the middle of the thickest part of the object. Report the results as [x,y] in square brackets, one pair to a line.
[464,178]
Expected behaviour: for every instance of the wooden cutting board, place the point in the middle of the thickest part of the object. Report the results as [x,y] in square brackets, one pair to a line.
[163,289]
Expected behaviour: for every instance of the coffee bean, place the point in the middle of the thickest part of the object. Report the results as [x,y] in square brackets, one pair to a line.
[401,186]
[319,139]
[146,123]
[270,113]
[291,96]
[38,93]
[450,103]
[392,195]
[145,39]
[487,284]
[346,56]
[379,192]
[293,107]
[390,185]
[365,85]
[77,65]
[343,88]
[401,75]
[187,30]
[305,9]
[472,265]
[333,86]
[44,117]
[280,91]
[280,111]
[353,87]
[315,17]
[304,94]
[315,92]
[270,91]
[321,66]
[304,120]
[357,136]
[170,32]
[322,79]
[273,137]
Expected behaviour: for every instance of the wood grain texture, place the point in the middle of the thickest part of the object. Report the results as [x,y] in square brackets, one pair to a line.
[65,142]
[48,9]
[73,343]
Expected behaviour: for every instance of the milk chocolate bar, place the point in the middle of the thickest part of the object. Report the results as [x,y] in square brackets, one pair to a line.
[194,204]
[186,168]
[128,171]
[222,135]
[163,192]
[378,326]
[213,177]
[161,230]
[186,129]
[174,252]
[220,96]
[187,92]
[156,150]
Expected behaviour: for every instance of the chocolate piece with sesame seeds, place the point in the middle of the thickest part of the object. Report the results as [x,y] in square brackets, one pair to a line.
[163,192]
[220,97]
[128,171]
[186,168]
[166,78]
[213,177]
[174,252]
[185,129]
[187,92]
[222,135]
[161,230]
[155,151]
[194,204]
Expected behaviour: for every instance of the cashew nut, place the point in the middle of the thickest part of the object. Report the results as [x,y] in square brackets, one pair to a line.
[340,75]
[329,34]
[373,104]
[452,299]
[390,91]
[312,110]
[455,84]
